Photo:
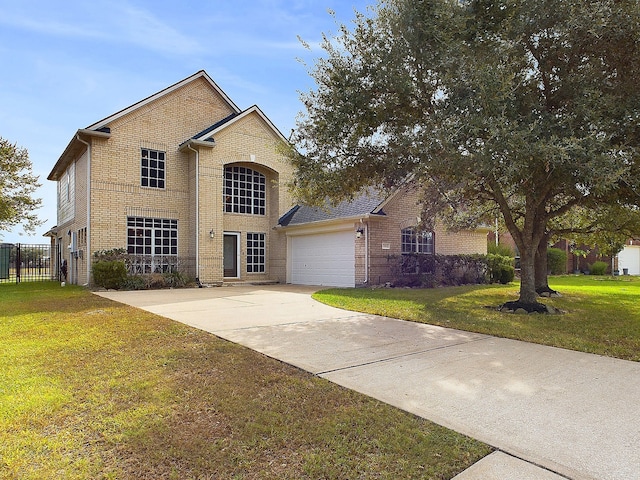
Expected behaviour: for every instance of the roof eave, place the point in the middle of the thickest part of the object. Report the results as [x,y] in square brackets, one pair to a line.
[74,144]
[189,144]
[241,115]
[331,221]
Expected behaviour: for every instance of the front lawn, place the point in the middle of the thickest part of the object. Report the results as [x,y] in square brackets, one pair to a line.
[602,314]
[92,389]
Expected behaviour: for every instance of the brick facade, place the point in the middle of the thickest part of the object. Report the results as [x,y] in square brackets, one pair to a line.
[193,191]
[200,132]
[374,225]
[383,237]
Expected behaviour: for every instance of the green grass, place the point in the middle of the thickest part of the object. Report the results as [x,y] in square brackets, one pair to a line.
[602,314]
[92,389]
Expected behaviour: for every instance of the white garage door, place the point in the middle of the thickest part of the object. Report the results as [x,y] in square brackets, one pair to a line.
[629,258]
[323,259]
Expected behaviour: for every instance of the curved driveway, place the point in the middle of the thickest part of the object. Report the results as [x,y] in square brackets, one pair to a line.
[550,413]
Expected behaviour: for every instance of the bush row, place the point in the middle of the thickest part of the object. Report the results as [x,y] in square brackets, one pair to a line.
[111,270]
[113,275]
[441,270]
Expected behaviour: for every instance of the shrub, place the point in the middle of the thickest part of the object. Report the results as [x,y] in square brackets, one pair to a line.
[556,261]
[134,282]
[507,274]
[598,268]
[176,279]
[501,268]
[500,249]
[155,281]
[110,274]
[416,270]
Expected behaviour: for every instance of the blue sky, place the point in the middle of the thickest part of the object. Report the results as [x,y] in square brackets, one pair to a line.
[67,64]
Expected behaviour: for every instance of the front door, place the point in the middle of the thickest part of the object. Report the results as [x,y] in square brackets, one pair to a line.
[231,259]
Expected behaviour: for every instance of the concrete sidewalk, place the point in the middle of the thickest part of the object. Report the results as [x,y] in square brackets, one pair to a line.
[551,413]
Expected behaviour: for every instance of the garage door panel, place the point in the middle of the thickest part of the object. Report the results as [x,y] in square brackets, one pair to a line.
[323,259]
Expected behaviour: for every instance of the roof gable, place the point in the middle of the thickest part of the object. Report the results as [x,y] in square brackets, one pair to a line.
[234,118]
[101,128]
[201,74]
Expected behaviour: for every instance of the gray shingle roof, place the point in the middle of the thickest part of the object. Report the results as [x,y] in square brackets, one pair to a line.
[216,125]
[363,204]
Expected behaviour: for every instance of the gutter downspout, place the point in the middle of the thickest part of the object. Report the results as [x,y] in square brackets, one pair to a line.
[197,152]
[88,255]
[366,253]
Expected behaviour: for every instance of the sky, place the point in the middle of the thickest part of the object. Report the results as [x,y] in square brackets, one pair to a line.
[64,65]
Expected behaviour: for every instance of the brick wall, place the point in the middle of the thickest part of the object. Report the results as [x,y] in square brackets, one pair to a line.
[384,239]
[250,143]
[164,124]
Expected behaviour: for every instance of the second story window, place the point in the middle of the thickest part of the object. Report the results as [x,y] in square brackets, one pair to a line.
[152,173]
[245,191]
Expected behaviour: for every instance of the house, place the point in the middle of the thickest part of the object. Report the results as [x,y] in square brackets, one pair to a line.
[183,178]
[186,179]
[629,258]
[358,242]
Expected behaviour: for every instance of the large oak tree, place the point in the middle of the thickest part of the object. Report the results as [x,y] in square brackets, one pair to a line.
[526,108]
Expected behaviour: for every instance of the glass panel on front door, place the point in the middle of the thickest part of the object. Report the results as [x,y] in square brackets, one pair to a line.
[230,252]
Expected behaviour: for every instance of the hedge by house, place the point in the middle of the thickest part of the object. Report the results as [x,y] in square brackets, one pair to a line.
[112,270]
[414,270]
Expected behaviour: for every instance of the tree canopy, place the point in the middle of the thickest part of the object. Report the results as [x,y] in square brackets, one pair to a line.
[526,108]
[17,186]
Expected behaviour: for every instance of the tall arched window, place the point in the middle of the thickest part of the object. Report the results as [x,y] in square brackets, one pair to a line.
[417,241]
[245,191]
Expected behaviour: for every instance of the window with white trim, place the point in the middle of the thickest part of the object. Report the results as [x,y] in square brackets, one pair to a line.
[414,241]
[154,241]
[256,252]
[245,191]
[152,168]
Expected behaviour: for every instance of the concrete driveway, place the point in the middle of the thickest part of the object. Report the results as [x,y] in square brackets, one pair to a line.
[550,413]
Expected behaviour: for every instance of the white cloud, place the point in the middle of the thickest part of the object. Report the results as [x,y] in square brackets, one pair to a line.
[143,28]
[114,23]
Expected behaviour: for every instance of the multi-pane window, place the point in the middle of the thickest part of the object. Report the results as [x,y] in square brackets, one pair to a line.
[414,241]
[82,236]
[152,173]
[155,241]
[245,191]
[256,252]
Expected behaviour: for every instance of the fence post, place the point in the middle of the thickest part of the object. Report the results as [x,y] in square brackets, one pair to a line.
[18,262]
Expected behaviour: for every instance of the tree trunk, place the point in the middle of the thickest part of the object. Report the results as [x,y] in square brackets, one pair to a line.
[528,300]
[541,266]
[542,270]
[528,295]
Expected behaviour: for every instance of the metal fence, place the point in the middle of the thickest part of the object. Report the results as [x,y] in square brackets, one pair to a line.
[27,263]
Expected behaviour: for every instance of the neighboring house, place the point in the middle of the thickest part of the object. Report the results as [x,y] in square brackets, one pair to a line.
[185,179]
[359,242]
[629,258]
[182,178]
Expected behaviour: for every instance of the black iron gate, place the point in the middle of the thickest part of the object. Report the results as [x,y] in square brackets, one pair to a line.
[28,263]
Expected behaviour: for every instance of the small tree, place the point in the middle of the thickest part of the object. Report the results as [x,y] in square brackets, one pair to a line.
[17,185]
